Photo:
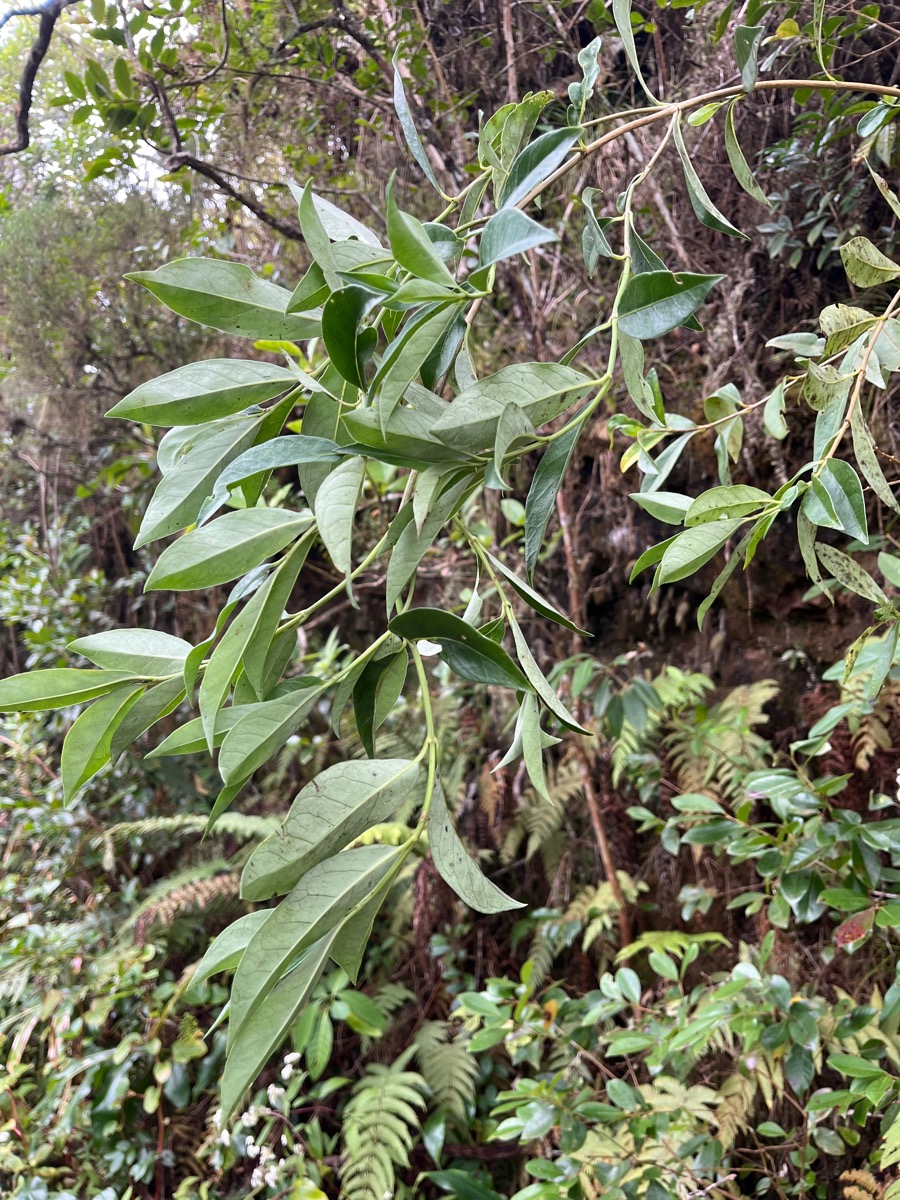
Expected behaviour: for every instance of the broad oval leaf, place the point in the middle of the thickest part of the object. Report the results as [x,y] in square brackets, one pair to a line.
[263,730]
[668,507]
[865,265]
[456,867]
[690,550]
[204,391]
[227,296]
[465,650]
[510,232]
[535,163]
[655,302]
[849,573]
[342,802]
[336,502]
[739,500]
[145,652]
[225,549]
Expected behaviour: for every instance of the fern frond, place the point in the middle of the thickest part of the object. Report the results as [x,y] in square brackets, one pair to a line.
[380,1124]
[450,1071]
[242,826]
[735,1111]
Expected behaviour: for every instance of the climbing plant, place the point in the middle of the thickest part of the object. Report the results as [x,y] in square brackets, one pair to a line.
[368,365]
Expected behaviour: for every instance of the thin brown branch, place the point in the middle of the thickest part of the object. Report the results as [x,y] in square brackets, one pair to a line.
[49,14]
[286,228]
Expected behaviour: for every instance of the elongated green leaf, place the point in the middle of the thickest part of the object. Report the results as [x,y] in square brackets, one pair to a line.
[512,426]
[411,546]
[336,503]
[594,243]
[337,806]
[178,499]
[408,128]
[268,1027]
[87,745]
[865,265]
[668,507]
[651,556]
[145,652]
[227,296]
[456,867]
[541,390]
[413,348]
[655,302]
[864,450]
[292,450]
[156,703]
[704,209]
[843,487]
[724,575]
[352,936]
[225,548]
[541,497]
[317,240]
[320,901]
[412,247]
[536,678]
[739,165]
[465,650]
[256,665]
[203,391]
[534,599]
[339,226]
[225,951]
[408,435]
[847,571]
[631,356]
[376,692]
[310,292]
[349,346]
[190,739]
[690,550]
[739,500]
[535,163]
[510,232]
[59,687]
[621,10]
[263,730]
[890,196]
[746,51]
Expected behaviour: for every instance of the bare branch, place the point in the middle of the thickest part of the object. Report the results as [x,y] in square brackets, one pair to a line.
[285,228]
[49,13]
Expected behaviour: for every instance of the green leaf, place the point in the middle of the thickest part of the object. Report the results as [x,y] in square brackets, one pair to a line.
[465,650]
[321,900]
[773,413]
[401,366]
[739,165]
[650,557]
[594,243]
[291,450]
[336,503]
[337,806]
[746,51]
[411,546]
[799,1069]
[203,391]
[541,390]
[512,426]
[865,265]
[739,500]
[408,435]
[737,555]
[353,936]
[455,866]
[87,745]
[178,499]
[669,507]
[263,730]
[225,548]
[190,739]
[144,652]
[375,694]
[277,594]
[690,550]
[534,599]
[704,209]
[157,702]
[631,357]
[510,232]
[268,1027]
[533,745]
[408,127]
[317,240]
[621,11]
[845,491]
[310,292]
[655,302]
[225,951]
[535,163]
[348,346]
[413,248]
[541,499]
[806,540]
[889,195]
[227,296]
[849,573]
[535,677]
[842,324]
[59,687]
[339,226]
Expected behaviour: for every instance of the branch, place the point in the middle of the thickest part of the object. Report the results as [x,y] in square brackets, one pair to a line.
[286,228]
[49,13]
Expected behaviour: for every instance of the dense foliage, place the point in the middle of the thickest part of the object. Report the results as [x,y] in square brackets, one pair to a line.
[675,973]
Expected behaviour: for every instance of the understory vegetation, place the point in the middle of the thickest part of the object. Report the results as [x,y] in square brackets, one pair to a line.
[450,588]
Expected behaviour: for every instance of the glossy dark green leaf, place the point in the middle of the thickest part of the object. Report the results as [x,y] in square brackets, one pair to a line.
[375,694]
[349,346]
[203,391]
[655,302]
[412,247]
[465,650]
[227,296]
[538,160]
[510,232]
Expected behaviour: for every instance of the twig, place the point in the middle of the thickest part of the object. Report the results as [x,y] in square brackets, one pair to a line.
[49,14]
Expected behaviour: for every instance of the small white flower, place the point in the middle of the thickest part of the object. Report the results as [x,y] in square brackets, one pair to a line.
[256,1179]
[217,1118]
[275,1094]
[265,1155]
[294,1057]
[286,1072]
[284,1141]
[250,1117]
[251,1148]
[428,649]
[225,1138]
[271,1176]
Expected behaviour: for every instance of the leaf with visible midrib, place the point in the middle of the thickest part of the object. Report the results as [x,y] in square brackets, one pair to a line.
[456,867]
[204,391]
[657,302]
